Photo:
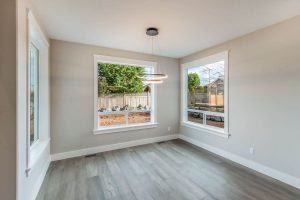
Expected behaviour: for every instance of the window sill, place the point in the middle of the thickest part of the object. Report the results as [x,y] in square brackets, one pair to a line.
[209,130]
[116,129]
[35,154]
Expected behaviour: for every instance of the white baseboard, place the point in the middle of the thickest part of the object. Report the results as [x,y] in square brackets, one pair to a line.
[283,177]
[40,180]
[98,149]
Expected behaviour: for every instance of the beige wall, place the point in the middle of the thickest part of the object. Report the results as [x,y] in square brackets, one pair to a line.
[71,69]
[8,99]
[264,97]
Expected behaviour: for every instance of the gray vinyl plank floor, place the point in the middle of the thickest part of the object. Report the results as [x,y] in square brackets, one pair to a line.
[173,170]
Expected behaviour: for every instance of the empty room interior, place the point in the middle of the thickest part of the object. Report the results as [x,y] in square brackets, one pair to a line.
[150,100]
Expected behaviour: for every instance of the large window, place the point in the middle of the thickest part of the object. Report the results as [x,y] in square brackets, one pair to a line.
[205,89]
[33,94]
[123,100]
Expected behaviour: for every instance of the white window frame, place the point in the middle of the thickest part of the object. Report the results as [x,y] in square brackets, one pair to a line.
[123,127]
[223,132]
[36,37]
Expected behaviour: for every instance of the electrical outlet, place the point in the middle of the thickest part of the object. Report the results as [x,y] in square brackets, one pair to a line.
[251,150]
[169,128]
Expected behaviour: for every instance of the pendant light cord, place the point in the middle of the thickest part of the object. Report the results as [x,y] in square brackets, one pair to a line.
[152,51]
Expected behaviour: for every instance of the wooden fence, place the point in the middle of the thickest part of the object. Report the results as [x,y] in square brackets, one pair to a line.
[132,100]
[204,98]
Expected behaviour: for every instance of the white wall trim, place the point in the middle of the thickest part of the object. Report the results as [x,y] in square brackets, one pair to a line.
[103,148]
[273,173]
[124,61]
[38,31]
[213,131]
[36,36]
[39,181]
[118,129]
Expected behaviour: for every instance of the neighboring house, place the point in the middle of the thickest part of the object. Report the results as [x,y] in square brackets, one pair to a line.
[215,92]
[216,87]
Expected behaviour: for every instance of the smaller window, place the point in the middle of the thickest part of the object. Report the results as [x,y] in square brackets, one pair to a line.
[205,89]
[33,94]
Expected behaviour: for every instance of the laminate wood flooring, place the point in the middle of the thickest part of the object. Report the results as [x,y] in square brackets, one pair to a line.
[173,170]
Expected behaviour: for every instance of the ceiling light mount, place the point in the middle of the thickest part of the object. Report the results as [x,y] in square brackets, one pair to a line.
[152,31]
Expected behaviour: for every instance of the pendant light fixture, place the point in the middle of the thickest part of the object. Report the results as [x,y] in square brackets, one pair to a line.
[149,81]
[155,78]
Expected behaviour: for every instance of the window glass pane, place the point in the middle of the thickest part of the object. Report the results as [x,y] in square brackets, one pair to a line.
[111,119]
[139,117]
[195,117]
[215,121]
[121,90]
[205,90]
[206,87]
[34,93]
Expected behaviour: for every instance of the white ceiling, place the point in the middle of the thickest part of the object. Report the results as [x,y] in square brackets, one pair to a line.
[185,26]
